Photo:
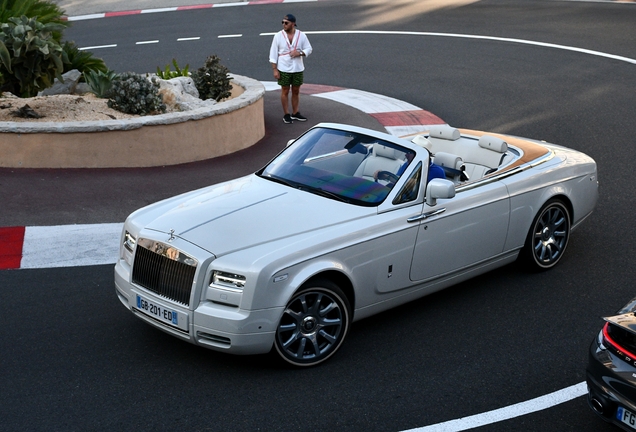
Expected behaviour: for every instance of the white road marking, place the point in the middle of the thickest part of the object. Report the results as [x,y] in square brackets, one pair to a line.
[509,412]
[87,17]
[230,4]
[168,9]
[467,36]
[366,102]
[188,39]
[97,47]
[147,42]
[230,36]
[71,245]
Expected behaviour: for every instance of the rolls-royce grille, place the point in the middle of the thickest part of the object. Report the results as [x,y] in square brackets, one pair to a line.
[163,276]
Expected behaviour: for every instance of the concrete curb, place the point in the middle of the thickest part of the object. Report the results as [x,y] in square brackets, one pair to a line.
[80,13]
[165,139]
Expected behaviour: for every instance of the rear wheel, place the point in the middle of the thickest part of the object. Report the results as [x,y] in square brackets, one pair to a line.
[314,324]
[548,237]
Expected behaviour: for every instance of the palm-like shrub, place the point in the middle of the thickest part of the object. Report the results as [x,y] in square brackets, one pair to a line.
[82,60]
[30,59]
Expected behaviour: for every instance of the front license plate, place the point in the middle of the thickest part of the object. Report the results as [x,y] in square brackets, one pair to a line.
[626,416]
[163,314]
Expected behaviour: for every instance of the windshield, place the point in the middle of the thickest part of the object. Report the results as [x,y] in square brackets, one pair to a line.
[341,165]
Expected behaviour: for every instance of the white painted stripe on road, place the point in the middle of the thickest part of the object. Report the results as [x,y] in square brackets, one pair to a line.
[368,102]
[188,39]
[71,245]
[86,17]
[97,47]
[230,36]
[147,42]
[509,412]
[230,4]
[492,38]
[168,9]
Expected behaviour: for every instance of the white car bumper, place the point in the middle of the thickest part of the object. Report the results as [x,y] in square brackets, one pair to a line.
[214,326]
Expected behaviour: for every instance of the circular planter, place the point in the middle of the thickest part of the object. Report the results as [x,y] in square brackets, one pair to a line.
[165,139]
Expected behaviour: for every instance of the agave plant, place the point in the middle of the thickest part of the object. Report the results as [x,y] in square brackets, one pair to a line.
[100,82]
[29,57]
[81,60]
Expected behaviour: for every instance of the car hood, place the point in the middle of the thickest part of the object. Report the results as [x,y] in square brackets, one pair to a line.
[247,212]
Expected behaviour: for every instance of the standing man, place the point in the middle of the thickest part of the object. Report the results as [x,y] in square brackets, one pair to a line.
[289,46]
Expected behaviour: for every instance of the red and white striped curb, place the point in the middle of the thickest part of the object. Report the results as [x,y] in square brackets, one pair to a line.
[97,244]
[238,3]
[181,8]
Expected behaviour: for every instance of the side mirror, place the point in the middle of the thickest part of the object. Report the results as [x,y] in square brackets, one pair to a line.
[439,189]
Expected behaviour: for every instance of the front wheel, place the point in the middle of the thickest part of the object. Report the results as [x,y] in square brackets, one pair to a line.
[548,237]
[314,324]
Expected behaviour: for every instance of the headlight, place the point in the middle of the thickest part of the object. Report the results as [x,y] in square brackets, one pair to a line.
[228,280]
[129,242]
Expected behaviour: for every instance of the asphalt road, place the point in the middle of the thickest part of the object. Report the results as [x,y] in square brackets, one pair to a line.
[75,359]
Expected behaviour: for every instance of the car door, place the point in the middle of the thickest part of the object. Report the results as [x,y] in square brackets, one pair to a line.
[461,231]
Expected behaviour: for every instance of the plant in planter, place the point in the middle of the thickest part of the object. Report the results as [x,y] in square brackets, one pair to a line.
[99,82]
[45,11]
[30,59]
[81,60]
[177,72]
[133,94]
[212,80]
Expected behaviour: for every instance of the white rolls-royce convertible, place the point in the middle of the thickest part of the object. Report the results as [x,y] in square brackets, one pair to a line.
[344,223]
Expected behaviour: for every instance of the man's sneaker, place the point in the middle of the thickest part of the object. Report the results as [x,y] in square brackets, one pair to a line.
[298,116]
[287,118]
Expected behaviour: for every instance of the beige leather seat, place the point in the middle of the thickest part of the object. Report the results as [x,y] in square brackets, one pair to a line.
[453,166]
[382,158]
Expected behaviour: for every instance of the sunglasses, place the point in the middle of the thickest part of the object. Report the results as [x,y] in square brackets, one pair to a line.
[286,22]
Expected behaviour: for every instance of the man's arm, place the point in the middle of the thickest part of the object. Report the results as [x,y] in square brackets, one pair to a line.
[273,57]
[305,46]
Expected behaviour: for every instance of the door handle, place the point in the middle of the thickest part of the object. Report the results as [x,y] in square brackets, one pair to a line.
[426,215]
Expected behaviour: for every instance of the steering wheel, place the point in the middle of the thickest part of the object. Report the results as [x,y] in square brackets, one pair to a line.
[387,176]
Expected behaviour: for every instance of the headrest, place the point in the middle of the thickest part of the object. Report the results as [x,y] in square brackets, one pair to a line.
[493,143]
[380,150]
[448,160]
[422,141]
[444,132]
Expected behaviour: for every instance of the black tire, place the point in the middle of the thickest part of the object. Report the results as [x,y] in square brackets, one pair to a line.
[548,236]
[314,324]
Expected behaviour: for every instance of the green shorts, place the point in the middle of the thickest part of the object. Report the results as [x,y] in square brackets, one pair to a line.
[287,79]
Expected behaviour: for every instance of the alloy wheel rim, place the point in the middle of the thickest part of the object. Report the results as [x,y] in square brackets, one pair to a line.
[311,327]
[550,236]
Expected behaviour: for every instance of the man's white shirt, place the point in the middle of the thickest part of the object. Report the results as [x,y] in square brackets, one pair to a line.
[279,53]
